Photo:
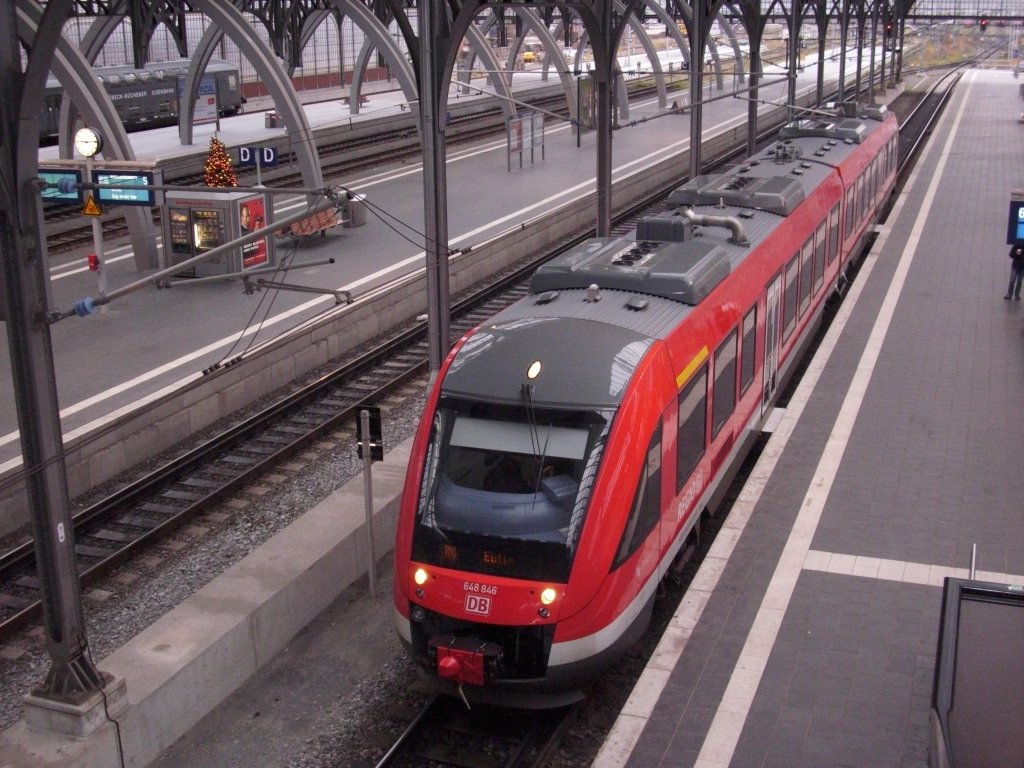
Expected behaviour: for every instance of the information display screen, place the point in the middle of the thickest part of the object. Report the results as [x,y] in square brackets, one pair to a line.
[1015,227]
[53,178]
[109,193]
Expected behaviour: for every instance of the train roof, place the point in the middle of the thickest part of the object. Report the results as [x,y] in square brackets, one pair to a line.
[713,221]
[157,69]
[610,333]
[614,297]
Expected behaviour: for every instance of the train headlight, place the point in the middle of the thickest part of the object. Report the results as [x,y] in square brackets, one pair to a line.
[418,614]
[420,576]
[534,370]
[548,596]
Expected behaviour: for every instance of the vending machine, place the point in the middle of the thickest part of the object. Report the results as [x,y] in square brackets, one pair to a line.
[195,223]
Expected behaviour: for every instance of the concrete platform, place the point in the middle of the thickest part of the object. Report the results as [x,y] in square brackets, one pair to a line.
[808,637]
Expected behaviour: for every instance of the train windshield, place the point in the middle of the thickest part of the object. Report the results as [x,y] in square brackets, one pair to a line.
[505,490]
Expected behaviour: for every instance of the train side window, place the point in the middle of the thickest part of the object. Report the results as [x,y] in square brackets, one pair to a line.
[723,398]
[646,503]
[806,273]
[861,207]
[819,257]
[833,233]
[130,78]
[691,433]
[848,229]
[145,76]
[747,351]
[789,299]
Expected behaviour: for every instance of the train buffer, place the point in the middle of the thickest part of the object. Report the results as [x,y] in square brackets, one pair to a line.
[317,222]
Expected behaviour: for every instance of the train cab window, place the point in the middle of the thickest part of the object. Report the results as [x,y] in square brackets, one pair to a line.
[747,351]
[789,298]
[723,397]
[806,274]
[646,503]
[819,257]
[833,233]
[505,490]
[692,420]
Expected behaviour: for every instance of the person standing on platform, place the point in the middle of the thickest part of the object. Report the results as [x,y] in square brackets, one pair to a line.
[1016,272]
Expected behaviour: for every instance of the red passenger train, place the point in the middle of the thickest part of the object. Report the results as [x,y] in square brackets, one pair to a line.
[571,443]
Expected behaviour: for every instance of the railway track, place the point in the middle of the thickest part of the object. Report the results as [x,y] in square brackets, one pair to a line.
[117,528]
[445,733]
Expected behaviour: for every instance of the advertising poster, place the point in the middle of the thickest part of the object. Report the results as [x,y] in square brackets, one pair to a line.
[251,216]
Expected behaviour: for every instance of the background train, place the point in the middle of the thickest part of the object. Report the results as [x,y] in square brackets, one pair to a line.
[571,443]
[148,97]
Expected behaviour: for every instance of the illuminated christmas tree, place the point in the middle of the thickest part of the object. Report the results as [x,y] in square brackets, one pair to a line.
[218,171]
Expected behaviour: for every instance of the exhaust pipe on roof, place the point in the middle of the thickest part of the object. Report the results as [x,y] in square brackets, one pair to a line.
[739,237]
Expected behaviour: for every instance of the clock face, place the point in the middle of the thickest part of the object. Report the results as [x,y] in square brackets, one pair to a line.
[88,142]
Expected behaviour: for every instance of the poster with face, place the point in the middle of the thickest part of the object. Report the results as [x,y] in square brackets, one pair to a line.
[252,216]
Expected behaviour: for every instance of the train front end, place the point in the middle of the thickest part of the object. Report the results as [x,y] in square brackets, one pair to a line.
[488,555]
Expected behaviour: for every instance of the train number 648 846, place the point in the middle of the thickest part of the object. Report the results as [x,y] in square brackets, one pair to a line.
[482,589]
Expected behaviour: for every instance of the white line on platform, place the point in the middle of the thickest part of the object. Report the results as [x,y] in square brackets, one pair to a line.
[902,571]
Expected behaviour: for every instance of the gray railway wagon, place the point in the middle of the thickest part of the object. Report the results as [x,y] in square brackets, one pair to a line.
[148,97]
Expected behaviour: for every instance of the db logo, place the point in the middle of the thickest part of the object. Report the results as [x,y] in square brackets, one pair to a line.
[478,604]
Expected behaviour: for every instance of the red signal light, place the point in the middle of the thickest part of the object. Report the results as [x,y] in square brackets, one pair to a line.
[94,262]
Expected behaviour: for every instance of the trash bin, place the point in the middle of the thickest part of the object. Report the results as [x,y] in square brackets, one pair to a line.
[355,211]
[272,119]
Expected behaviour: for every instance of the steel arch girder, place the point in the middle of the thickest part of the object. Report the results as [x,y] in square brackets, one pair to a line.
[233,24]
[377,39]
[75,74]
[536,25]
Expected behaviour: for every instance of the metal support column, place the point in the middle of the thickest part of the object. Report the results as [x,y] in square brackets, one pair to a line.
[604,73]
[696,86]
[844,26]
[433,27]
[72,676]
[756,65]
[793,46]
